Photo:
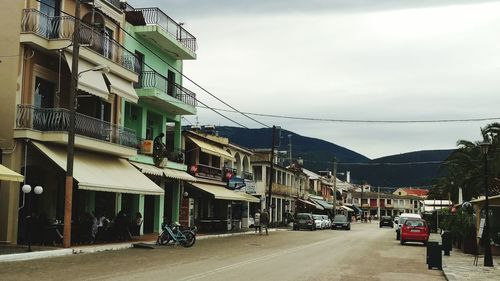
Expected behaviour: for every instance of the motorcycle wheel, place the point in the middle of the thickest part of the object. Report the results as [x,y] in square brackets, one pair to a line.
[163,239]
[190,239]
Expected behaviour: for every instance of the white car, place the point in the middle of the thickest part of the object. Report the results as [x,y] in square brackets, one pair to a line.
[402,218]
[318,221]
[327,223]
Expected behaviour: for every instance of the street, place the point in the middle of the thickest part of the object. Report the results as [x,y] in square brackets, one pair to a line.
[366,252]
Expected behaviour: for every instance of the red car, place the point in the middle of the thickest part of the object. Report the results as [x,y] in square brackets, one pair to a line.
[415,230]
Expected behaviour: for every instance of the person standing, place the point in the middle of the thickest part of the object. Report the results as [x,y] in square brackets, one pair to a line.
[264,220]
[256,221]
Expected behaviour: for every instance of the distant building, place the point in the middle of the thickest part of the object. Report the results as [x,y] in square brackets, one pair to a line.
[419,192]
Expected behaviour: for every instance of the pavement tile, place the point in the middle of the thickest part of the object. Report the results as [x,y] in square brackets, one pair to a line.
[459,266]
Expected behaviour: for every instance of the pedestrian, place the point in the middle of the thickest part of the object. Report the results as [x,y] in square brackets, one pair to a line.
[256,221]
[370,218]
[264,220]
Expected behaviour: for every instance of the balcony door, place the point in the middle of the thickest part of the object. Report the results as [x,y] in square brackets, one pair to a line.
[49,23]
[171,83]
[44,93]
[139,66]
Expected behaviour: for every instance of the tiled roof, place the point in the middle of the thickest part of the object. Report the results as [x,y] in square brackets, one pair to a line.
[416,191]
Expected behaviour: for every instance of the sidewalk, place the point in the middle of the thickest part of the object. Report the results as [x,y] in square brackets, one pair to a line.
[58,252]
[459,266]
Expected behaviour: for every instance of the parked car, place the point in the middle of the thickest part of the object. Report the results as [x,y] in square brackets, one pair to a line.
[304,221]
[327,223]
[340,221]
[386,221]
[318,220]
[415,230]
[402,218]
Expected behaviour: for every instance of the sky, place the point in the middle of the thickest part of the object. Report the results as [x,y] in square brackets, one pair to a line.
[347,59]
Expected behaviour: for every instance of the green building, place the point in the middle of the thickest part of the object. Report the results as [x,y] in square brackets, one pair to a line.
[161,45]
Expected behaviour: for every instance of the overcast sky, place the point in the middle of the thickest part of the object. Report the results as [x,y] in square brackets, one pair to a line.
[348,59]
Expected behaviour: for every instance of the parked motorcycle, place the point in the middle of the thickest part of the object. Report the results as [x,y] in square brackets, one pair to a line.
[172,234]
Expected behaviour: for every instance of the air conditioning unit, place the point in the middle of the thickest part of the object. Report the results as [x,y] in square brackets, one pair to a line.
[147,146]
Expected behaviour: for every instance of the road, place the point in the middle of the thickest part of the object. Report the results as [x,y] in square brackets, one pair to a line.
[366,252]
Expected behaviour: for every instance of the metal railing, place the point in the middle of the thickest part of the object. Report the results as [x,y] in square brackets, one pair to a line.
[63,27]
[153,79]
[158,17]
[204,171]
[57,120]
[115,3]
[172,154]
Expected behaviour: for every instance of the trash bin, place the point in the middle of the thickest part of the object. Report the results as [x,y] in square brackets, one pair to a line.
[446,242]
[434,258]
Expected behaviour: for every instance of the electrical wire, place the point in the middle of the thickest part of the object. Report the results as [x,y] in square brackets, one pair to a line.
[182,74]
[361,120]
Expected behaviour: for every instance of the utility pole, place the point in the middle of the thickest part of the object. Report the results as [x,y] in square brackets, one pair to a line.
[378,203]
[361,203]
[271,171]
[334,185]
[68,199]
[290,147]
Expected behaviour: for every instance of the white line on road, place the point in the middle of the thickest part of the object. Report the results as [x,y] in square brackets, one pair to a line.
[250,261]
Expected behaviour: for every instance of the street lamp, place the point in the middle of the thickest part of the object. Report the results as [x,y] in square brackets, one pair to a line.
[29,218]
[488,260]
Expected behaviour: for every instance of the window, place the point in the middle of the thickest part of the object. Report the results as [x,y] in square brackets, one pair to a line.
[257,173]
[389,201]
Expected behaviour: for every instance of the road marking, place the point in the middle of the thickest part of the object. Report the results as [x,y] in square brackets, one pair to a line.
[250,261]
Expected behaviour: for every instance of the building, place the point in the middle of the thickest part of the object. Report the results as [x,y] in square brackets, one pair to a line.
[290,185]
[215,202]
[419,192]
[35,110]
[160,45]
[389,204]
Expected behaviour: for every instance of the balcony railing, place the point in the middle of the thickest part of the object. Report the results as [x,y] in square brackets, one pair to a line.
[115,3]
[57,120]
[153,79]
[158,17]
[63,27]
[204,171]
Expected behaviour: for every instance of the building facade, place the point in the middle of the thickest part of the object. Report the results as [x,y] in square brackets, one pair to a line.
[388,204]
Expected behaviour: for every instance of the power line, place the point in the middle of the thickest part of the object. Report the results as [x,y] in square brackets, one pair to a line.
[363,120]
[205,106]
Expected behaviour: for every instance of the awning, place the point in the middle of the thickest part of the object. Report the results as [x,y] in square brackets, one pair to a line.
[7,174]
[312,204]
[222,193]
[122,88]
[250,198]
[178,175]
[160,172]
[354,208]
[100,172]
[347,209]
[211,149]
[91,82]
[323,203]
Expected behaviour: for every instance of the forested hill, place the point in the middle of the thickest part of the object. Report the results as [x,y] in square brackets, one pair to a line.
[389,171]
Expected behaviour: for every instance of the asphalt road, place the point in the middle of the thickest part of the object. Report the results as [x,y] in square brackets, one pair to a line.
[366,252]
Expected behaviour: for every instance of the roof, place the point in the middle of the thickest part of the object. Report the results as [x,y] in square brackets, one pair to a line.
[374,195]
[437,202]
[416,191]
[312,175]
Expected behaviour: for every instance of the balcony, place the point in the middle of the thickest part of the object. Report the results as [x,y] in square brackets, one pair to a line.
[162,31]
[247,175]
[52,124]
[145,147]
[54,33]
[154,89]
[204,171]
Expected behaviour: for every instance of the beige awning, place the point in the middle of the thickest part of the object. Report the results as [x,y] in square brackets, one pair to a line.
[179,175]
[212,149]
[167,172]
[7,174]
[122,88]
[91,82]
[148,169]
[222,193]
[100,172]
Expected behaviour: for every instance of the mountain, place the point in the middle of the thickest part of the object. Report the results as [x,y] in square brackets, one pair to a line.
[388,171]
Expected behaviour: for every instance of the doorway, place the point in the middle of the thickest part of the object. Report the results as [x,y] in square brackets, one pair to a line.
[149,214]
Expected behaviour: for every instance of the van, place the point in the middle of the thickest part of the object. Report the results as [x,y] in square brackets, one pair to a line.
[402,218]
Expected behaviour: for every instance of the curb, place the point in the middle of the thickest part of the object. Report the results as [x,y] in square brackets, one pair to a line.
[36,255]
[102,248]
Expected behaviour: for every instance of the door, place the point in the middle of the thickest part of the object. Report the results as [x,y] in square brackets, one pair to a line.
[49,21]
[44,93]
[171,83]
[149,213]
[138,67]
[107,48]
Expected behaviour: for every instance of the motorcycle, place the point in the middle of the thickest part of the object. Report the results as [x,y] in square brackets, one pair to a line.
[172,234]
